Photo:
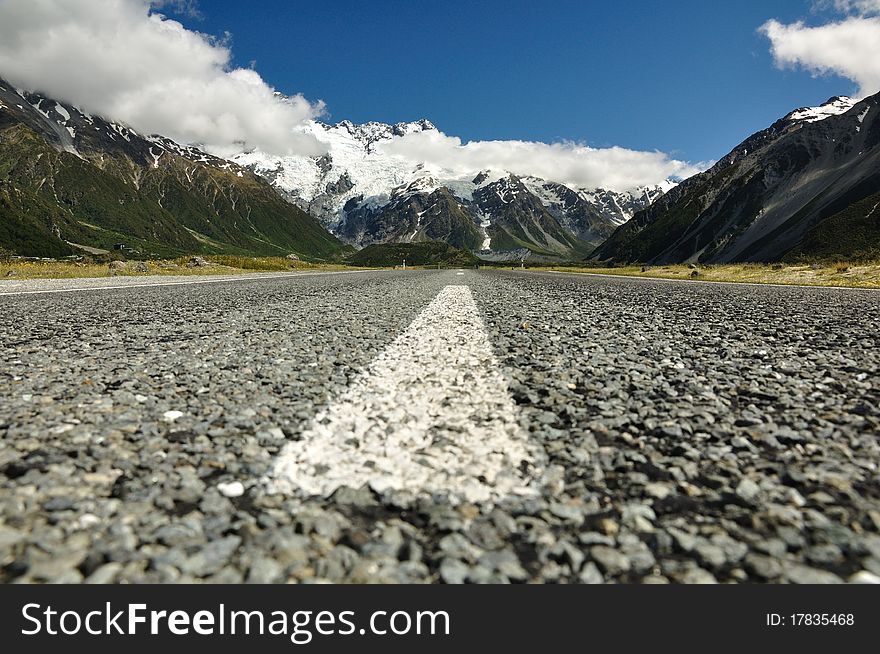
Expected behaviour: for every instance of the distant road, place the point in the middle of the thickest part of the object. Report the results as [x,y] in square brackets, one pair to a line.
[480,426]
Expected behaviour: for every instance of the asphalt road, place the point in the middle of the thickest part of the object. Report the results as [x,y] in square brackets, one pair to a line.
[439,426]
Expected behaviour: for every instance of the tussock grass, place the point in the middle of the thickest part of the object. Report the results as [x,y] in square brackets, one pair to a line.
[217,265]
[855,274]
[266,264]
[50,269]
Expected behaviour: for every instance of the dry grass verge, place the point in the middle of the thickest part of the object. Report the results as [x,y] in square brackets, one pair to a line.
[842,273]
[214,265]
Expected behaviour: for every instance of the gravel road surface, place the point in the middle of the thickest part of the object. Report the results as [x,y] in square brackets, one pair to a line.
[439,426]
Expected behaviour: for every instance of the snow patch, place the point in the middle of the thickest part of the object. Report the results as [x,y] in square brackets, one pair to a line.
[122,131]
[834,107]
[155,157]
[40,111]
[485,224]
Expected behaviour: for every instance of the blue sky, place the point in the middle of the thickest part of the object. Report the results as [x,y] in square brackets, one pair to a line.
[690,78]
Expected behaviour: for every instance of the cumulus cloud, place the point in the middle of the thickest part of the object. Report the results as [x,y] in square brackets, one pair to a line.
[570,163]
[849,47]
[858,7]
[124,60]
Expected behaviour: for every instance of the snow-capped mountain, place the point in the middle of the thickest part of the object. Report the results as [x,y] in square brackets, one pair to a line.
[357,189]
[366,195]
[806,187]
[352,167]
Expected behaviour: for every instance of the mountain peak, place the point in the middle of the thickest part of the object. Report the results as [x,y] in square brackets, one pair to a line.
[786,193]
[372,132]
[365,194]
[834,106]
[422,125]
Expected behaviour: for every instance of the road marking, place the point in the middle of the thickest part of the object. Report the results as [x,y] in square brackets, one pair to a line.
[432,415]
[213,280]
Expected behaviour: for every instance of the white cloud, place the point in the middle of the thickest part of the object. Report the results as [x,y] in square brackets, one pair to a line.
[124,60]
[579,165]
[849,47]
[859,7]
[121,59]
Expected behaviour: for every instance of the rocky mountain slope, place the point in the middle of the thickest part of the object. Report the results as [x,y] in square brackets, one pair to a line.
[365,195]
[68,179]
[806,187]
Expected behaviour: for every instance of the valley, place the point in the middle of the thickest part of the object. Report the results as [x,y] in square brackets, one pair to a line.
[805,189]
[303,295]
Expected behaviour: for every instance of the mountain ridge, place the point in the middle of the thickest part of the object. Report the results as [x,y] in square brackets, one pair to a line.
[806,186]
[69,179]
[367,196]
[760,201]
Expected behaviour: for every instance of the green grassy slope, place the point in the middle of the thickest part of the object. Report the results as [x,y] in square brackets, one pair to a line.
[49,197]
[852,234]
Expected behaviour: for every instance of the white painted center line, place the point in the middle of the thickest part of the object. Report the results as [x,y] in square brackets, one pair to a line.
[432,415]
